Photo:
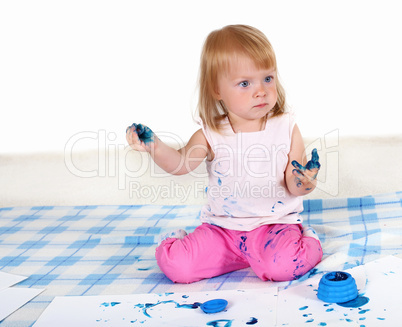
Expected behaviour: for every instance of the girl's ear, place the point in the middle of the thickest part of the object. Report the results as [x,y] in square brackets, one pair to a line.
[216,94]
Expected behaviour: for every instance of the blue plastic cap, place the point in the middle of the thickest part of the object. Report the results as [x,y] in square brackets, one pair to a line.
[213,306]
[337,287]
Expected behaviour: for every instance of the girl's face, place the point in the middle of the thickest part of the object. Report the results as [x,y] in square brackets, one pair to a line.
[248,93]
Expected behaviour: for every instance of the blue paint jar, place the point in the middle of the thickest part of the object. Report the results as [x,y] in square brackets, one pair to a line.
[337,287]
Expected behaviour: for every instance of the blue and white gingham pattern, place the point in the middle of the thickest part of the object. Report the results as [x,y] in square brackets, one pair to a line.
[94,250]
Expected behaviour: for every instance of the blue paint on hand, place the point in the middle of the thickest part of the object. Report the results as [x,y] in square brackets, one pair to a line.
[144,133]
[312,164]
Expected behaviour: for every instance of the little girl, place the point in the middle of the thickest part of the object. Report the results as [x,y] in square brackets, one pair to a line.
[255,159]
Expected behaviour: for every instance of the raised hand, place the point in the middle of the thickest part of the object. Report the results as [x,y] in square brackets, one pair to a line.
[308,173]
[140,137]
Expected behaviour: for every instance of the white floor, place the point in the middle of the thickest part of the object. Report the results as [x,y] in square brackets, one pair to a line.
[351,167]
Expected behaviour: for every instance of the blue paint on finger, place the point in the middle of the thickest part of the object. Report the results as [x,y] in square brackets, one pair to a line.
[313,163]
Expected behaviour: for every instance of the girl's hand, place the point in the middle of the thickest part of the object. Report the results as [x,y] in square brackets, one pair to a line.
[140,137]
[306,175]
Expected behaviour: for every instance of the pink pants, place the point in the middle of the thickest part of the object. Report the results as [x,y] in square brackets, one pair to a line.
[274,252]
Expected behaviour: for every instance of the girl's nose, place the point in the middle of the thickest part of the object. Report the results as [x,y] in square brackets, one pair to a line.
[260,91]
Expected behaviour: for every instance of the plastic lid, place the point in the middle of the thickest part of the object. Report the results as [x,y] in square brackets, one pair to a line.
[213,306]
[337,287]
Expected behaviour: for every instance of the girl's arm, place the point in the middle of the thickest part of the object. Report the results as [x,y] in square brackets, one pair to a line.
[300,175]
[176,162]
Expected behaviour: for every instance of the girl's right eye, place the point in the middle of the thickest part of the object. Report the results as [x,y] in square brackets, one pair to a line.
[244,84]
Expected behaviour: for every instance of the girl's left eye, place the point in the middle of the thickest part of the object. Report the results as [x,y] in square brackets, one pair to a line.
[268,79]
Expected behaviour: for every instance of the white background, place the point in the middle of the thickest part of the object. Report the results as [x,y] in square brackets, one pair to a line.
[83,70]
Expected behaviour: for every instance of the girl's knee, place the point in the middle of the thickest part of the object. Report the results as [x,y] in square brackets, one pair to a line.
[175,263]
[285,264]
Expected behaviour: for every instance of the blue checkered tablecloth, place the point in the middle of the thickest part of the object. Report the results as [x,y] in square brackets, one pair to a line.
[94,250]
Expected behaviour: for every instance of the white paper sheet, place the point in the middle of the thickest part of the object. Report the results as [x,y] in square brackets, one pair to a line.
[13,298]
[162,310]
[379,281]
[7,280]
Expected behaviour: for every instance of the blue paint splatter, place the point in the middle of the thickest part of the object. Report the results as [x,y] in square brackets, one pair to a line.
[112,304]
[268,243]
[147,306]
[304,308]
[357,302]
[277,202]
[363,311]
[322,324]
[219,181]
[252,321]
[312,272]
[220,323]
[310,320]
[218,172]
[242,245]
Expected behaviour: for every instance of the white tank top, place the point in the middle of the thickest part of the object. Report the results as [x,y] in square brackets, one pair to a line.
[247,177]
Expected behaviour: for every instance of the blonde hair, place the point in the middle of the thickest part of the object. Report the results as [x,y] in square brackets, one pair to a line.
[222,46]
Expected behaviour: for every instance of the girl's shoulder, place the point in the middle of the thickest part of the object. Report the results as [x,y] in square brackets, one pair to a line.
[220,125]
